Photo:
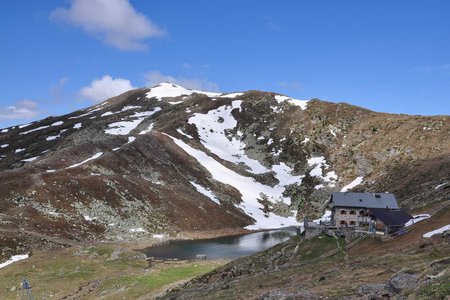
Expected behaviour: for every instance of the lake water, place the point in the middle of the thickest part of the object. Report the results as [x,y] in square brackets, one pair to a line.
[222,247]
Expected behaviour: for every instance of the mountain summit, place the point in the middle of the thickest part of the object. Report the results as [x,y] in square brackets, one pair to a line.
[167,159]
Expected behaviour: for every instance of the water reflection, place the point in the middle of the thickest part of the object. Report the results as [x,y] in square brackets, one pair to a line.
[223,247]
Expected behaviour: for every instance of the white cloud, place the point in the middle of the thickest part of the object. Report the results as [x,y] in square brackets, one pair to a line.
[22,110]
[115,22]
[104,88]
[155,77]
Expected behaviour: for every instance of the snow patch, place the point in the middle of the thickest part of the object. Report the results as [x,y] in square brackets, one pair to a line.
[250,190]
[125,127]
[57,123]
[318,163]
[212,133]
[439,186]
[139,229]
[36,129]
[185,134]
[436,231]
[352,184]
[5,130]
[19,150]
[83,115]
[149,128]
[4,145]
[13,259]
[168,89]
[417,219]
[95,156]
[89,219]
[30,159]
[302,103]
[205,192]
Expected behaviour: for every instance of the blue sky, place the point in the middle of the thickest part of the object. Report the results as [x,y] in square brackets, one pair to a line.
[390,56]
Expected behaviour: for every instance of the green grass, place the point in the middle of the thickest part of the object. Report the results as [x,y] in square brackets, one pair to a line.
[317,246]
[436,291]
[138,285]
[61,273]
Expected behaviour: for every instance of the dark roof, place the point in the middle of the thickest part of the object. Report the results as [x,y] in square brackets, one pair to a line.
[391,217]
[369,200]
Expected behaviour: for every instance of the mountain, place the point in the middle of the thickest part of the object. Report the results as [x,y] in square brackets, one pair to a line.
[168,159]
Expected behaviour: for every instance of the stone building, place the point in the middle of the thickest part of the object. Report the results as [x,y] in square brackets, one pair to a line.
[371,211]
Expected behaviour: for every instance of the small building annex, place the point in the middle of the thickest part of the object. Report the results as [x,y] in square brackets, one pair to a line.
[369,211]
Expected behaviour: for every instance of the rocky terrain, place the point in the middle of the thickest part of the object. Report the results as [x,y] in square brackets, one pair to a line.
[405,267]
[167,160]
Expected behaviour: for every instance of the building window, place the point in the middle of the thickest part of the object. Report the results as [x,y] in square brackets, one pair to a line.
[377,196]
[361,212]
[352,223]
[343,212]
[343,223]
[352,212]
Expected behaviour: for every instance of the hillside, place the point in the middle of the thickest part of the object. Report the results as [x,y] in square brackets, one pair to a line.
[405,267]
[168,160]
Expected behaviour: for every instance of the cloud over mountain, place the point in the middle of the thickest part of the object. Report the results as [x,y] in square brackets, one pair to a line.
[115,22]
[104,88]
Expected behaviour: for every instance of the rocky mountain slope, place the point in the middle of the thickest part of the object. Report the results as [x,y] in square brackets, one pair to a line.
[405,267]
[168,159]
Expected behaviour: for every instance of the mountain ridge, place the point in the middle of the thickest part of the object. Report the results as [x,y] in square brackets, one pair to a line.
[132,165]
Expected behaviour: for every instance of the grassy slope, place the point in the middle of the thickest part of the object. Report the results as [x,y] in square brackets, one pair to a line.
[62,273]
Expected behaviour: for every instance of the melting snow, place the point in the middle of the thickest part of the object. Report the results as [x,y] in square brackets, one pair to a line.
[205,192]
[439,186]
[13,259]
[19,150]
[125,108]
[30,159]
[250,190]
[302,103]
[36,129]
[24,125]
[77,126]
[131,139]
[108,113]
[352,184]
[139,229]
[57,123]
[149,128]
[125,127]
[416,219]
[4,145]
[437,231]
[88,218]
[317,163]
[213,137]
[95,156]
[167,89]
[185,134]
[5,130]
[83,115]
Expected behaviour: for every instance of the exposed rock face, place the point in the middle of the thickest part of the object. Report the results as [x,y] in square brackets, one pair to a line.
[168,159]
